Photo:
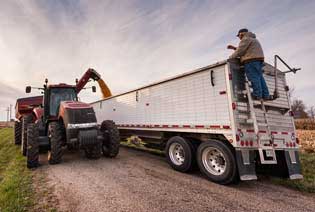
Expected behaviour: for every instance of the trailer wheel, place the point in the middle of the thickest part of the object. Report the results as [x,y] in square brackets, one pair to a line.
[179,153]
[32,153]
[217,162]
[27,119]
[17,133]
[93,152]
[55,130]
[110,145]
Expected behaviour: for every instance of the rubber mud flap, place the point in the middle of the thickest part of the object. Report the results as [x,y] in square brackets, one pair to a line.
[246,164]
[293,164]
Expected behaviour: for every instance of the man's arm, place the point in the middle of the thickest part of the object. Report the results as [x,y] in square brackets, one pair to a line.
[231,47]
[241,49]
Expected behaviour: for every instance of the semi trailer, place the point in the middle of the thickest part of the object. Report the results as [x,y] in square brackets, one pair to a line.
[207,118]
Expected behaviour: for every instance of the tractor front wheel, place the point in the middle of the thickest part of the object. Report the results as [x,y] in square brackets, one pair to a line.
[93,152]
[55,130]
[110,145]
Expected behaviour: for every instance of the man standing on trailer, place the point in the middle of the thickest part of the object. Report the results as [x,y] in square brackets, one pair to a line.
[251,55]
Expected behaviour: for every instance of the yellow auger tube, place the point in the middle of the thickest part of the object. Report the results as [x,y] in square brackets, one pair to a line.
[104,88]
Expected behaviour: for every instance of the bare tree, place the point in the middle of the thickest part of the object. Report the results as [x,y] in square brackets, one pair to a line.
[299,109]
[311,112]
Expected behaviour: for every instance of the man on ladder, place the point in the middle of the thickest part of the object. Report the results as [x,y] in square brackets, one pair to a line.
[252,56]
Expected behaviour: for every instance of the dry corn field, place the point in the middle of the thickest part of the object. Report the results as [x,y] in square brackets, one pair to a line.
[305,124]
[307,140]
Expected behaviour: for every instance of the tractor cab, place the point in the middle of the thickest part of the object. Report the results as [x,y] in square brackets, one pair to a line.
[54,95]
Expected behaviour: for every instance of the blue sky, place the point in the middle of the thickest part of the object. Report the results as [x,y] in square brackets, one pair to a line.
[132,42]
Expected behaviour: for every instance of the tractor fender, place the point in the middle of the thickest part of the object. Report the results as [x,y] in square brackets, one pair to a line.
[37,113]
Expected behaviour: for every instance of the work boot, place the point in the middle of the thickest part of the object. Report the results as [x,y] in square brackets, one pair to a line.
[268,98]
[256,98]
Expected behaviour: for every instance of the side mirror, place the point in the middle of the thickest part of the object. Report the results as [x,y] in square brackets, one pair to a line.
[93,89]
[28,89]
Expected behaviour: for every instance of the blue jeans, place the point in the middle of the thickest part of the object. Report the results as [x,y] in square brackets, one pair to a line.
[254,74]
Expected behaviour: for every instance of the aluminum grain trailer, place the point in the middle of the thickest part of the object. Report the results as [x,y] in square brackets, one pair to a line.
[205,117]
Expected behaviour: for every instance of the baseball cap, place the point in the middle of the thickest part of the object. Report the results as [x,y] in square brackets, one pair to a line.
[241,30]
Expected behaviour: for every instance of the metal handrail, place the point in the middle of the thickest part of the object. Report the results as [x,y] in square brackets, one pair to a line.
[294,70]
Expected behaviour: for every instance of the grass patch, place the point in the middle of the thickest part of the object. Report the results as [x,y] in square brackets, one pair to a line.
[15,179]
[308,171]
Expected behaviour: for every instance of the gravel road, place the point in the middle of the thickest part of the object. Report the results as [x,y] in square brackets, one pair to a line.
[139,181]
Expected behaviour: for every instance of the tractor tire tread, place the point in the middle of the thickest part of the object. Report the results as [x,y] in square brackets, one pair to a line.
[110,146]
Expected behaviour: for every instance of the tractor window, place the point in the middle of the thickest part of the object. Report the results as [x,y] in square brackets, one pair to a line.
[58,95]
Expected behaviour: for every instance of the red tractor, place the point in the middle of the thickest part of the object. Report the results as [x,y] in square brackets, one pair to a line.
[61,120]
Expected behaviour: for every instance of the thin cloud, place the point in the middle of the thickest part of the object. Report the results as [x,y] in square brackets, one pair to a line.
[135,42]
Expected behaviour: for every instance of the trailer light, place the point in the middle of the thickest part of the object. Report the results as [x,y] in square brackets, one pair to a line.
[297,140]
[291,144]
[242,143]
[233,106]
[291,113]
[246,143]
[294,144]
[287,144]
[251,143]
[230,76]
[237,138]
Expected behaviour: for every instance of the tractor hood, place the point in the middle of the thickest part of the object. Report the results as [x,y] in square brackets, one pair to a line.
[74,105]
[73,112]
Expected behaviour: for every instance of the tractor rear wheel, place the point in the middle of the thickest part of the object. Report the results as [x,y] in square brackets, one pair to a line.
[55,130]
[93,152]
[32,153]
[110,145]
[27,119]
[17,132]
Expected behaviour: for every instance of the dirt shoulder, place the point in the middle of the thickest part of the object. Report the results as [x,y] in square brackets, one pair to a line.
[139,181]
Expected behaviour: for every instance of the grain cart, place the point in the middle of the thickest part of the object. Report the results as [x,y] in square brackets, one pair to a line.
[23,116]
[206,117]
[62,120]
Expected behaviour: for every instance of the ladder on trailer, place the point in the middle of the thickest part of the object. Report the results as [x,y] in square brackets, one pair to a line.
[267,154]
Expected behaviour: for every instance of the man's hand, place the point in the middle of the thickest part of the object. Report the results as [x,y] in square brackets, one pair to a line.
[231,47]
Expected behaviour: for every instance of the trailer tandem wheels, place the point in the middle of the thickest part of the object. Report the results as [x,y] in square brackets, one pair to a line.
[206,117]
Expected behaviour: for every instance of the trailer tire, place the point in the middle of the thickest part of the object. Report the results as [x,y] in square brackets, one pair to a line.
[56,140]
[111,142]
[17,133]
[217,162]
[93,152]
[32,153]
[27,119]
[179,153]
